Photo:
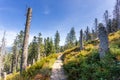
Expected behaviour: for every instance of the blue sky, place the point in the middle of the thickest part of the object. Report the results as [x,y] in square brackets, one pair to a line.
[51,15]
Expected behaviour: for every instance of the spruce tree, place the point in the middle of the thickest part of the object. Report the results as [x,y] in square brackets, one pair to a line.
[117,13]
[57,41]
[72,36]
[70,39]
[114,26]
[33,51]
[39,45]
[87,34]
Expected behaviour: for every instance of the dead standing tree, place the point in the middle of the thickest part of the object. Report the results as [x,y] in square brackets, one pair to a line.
[2,54]
[81,39]
[103,36]
[24,55]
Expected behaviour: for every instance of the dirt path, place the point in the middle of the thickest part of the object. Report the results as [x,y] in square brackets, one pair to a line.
[57,70]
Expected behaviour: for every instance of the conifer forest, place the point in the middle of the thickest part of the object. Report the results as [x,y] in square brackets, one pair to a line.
[40,51]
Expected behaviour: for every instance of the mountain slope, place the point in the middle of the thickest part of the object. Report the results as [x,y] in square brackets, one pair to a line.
[86,65]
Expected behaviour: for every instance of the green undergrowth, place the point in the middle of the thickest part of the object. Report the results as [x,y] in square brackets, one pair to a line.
[41,70]
[86,64]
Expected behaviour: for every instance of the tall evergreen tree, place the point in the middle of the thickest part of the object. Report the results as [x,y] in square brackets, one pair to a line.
[57,41]
[14,55]
[45,46]
[93,34]
[88,37]
[67,42]
[33,51]
[20,38]
[17,51]
[108,22]
[106,18]
[71,38]
[8,63]
[39,45]
[109,29]
[49,46]
[114,27]
[117,13]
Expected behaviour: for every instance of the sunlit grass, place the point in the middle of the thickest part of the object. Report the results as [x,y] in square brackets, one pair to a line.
[41,67]
[85,64]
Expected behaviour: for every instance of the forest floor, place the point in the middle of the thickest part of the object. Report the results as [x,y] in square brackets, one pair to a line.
[57,70]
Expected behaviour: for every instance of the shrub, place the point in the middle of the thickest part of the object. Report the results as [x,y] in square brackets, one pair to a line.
[39,68]
[90,67]
[86,65]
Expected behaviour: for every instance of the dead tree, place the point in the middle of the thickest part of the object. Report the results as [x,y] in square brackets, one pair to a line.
[24,55]
[96,27]
[2,54]
[103,36]
[106,17]
[81,39]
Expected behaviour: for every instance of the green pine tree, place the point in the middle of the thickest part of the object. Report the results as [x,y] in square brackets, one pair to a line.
[57,41]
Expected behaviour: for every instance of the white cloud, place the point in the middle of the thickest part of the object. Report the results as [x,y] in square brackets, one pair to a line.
[30,38]
[46,10]
[9,36]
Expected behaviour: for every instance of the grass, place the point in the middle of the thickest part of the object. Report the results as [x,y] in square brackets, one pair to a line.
[79,65]
[40,70]
[86,65]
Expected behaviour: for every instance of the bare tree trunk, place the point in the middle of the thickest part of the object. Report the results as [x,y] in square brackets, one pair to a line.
[5,75]
[1,66]
[33,61]
[96,28]
[2,55]
[24,55]
[81,39]
[103,36]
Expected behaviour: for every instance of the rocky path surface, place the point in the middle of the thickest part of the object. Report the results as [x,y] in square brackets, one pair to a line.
[58,71]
